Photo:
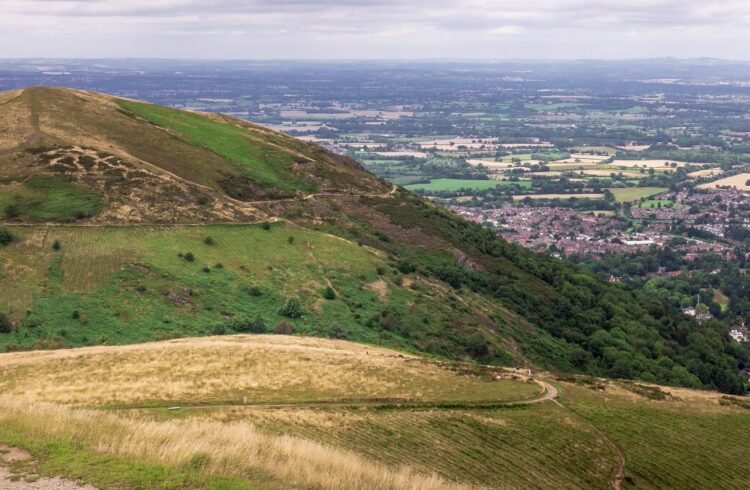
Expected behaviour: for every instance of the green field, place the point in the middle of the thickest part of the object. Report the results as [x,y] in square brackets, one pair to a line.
[452,185]
[597,149]
[263,163]
[553,107]
[629,194]
[658,203]
[518,156]
[47,198]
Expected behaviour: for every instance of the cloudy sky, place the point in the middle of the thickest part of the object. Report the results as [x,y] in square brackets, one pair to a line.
[357,29]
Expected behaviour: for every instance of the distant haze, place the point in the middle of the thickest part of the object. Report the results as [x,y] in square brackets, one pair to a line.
[355,29]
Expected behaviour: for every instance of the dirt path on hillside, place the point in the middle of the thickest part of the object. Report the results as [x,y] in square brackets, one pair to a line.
[9,481]
[619,475]
[16,473]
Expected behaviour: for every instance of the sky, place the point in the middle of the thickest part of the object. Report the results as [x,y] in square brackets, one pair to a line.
[376,29]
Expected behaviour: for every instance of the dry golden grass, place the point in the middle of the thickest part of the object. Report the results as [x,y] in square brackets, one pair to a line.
[380,287]
[737,181]
[15,120]
[655,164]
[244,369]
[60,394]
[491,164]
[705,173]
[233,448]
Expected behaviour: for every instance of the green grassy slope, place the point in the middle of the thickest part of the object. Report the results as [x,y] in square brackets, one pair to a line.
[47,198]
[131,284]
[267,165]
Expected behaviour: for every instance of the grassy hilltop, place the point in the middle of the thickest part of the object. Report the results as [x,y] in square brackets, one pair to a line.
[126,222]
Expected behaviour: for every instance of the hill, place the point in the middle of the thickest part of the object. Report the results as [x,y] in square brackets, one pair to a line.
[277,411]
[127,222]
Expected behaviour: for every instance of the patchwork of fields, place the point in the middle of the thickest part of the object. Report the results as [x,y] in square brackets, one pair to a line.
[438,185]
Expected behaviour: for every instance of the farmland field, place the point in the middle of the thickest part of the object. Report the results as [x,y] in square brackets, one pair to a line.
[607,172]
[489,164]
[738,181]
[658,203]
[438,185]
[711,172]
[559,196]
[655,164]
[629,194]
[596,149]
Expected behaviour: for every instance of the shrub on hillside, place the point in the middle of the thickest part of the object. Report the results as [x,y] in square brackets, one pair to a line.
[12,211]
[336,332]
[477,345]
[209,241]
[406,267]
[5,324]
[284,328]
[247,325]
[291,308]
[6,237]
[189,257]
[329,293]
[56,245]
[254,291]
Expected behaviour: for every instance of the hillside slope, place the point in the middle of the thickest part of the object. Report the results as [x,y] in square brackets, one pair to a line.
[127,222]
[238,412]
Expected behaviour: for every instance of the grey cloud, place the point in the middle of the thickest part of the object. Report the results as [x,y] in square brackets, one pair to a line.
[425,27]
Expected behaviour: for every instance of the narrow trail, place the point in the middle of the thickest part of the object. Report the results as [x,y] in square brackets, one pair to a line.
[272,219]
[548,393]
[619,474]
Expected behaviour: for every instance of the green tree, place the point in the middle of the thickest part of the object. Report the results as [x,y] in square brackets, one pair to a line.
[291,308]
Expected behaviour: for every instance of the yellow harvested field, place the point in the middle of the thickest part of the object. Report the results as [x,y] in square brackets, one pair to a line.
[711,172]
[655,164]
[588,156]
[631,147]
[607,172]
[571,163]
[396,154]
[738,182]
[551,173]
[489,163]
[559,196]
